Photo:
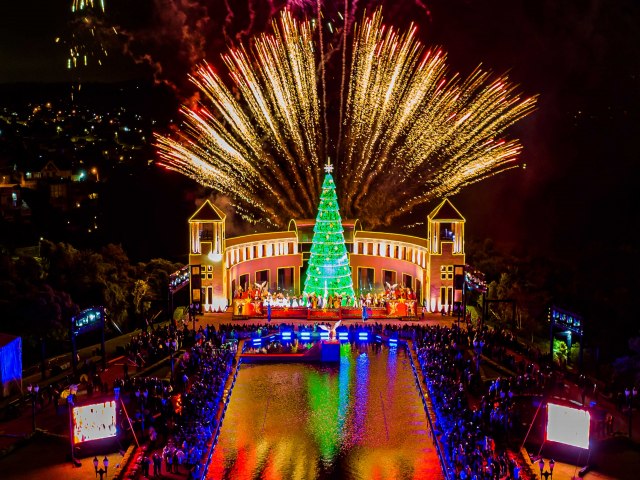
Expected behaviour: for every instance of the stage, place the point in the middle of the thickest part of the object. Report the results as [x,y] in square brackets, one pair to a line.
[245,308]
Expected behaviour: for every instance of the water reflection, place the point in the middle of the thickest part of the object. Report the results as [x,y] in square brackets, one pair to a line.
[361,420]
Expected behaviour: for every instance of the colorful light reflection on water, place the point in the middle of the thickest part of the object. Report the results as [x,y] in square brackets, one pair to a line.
[361,420]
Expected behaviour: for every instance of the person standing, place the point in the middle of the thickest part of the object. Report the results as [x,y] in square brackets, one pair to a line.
[157,464]
[179,459]
[146,463]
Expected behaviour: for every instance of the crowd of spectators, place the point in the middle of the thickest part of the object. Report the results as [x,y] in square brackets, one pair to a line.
[153,344]
[177,416]
[475,419]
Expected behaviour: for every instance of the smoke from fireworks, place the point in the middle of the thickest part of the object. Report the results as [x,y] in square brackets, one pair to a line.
[410,133]
[172,37]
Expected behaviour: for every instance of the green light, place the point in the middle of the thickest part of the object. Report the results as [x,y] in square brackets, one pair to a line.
[328,272]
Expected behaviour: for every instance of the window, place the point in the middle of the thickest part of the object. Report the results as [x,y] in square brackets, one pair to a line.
[244,282]
[58,191]
[365,279]
[207,232]
[446,272]
[446,232]
[388,276]
[446,296]
[285,278]
[262,276]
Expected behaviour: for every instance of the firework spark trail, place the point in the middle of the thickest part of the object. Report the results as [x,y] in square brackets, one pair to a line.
[90,35]
[278,85]
[387,81]
[288,76]
[323,78]
[413,117]
[78,5]
[344,72]
[249,147]
[411,132]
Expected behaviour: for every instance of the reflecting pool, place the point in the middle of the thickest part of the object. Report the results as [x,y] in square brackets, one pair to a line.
[363,419]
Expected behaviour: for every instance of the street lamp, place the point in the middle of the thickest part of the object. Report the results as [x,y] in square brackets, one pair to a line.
[630,394]
[105,464]
[33,393]
[552,464]
[95,465]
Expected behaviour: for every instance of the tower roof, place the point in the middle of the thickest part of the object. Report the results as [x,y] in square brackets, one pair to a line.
[208,212]
[446,212]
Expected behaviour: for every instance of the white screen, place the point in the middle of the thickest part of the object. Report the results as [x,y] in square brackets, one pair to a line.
[93,422]
[568,425]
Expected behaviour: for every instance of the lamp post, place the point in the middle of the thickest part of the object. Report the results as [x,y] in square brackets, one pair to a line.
[552,464]
[105,464]
[33,393]
[630,394]
[95,465]
[75,462]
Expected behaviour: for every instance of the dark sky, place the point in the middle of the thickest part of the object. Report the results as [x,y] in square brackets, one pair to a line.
[578,191]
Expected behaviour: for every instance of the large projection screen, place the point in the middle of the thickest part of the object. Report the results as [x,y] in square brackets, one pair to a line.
[568,425]
[94,422]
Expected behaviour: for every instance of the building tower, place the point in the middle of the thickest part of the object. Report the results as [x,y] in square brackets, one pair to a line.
[206,255]
[446,252]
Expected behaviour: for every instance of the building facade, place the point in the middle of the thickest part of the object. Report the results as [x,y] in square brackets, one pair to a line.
[219,267]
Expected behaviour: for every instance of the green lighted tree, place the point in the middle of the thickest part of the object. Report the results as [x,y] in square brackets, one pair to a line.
[328,271]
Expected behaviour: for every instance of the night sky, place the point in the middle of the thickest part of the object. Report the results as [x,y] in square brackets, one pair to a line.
[577,194]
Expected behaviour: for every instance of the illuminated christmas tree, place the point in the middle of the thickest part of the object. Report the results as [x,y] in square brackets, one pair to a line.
[328,271]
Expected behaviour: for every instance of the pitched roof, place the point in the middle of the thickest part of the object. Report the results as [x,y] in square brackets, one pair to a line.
[446,212]
[208,212]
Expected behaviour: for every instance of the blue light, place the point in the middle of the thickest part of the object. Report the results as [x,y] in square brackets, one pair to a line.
[257,341]
[393,342]
[286,335]
[305,335]
[343,335]
[363,336]
[324,335]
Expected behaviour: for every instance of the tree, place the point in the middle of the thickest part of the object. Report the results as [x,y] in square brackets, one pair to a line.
[328,272]
[560,352]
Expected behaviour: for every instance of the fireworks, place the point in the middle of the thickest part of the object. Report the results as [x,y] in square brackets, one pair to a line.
[409,134]
[90,33]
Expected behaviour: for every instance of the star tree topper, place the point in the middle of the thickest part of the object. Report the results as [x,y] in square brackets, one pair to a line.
[328,167]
